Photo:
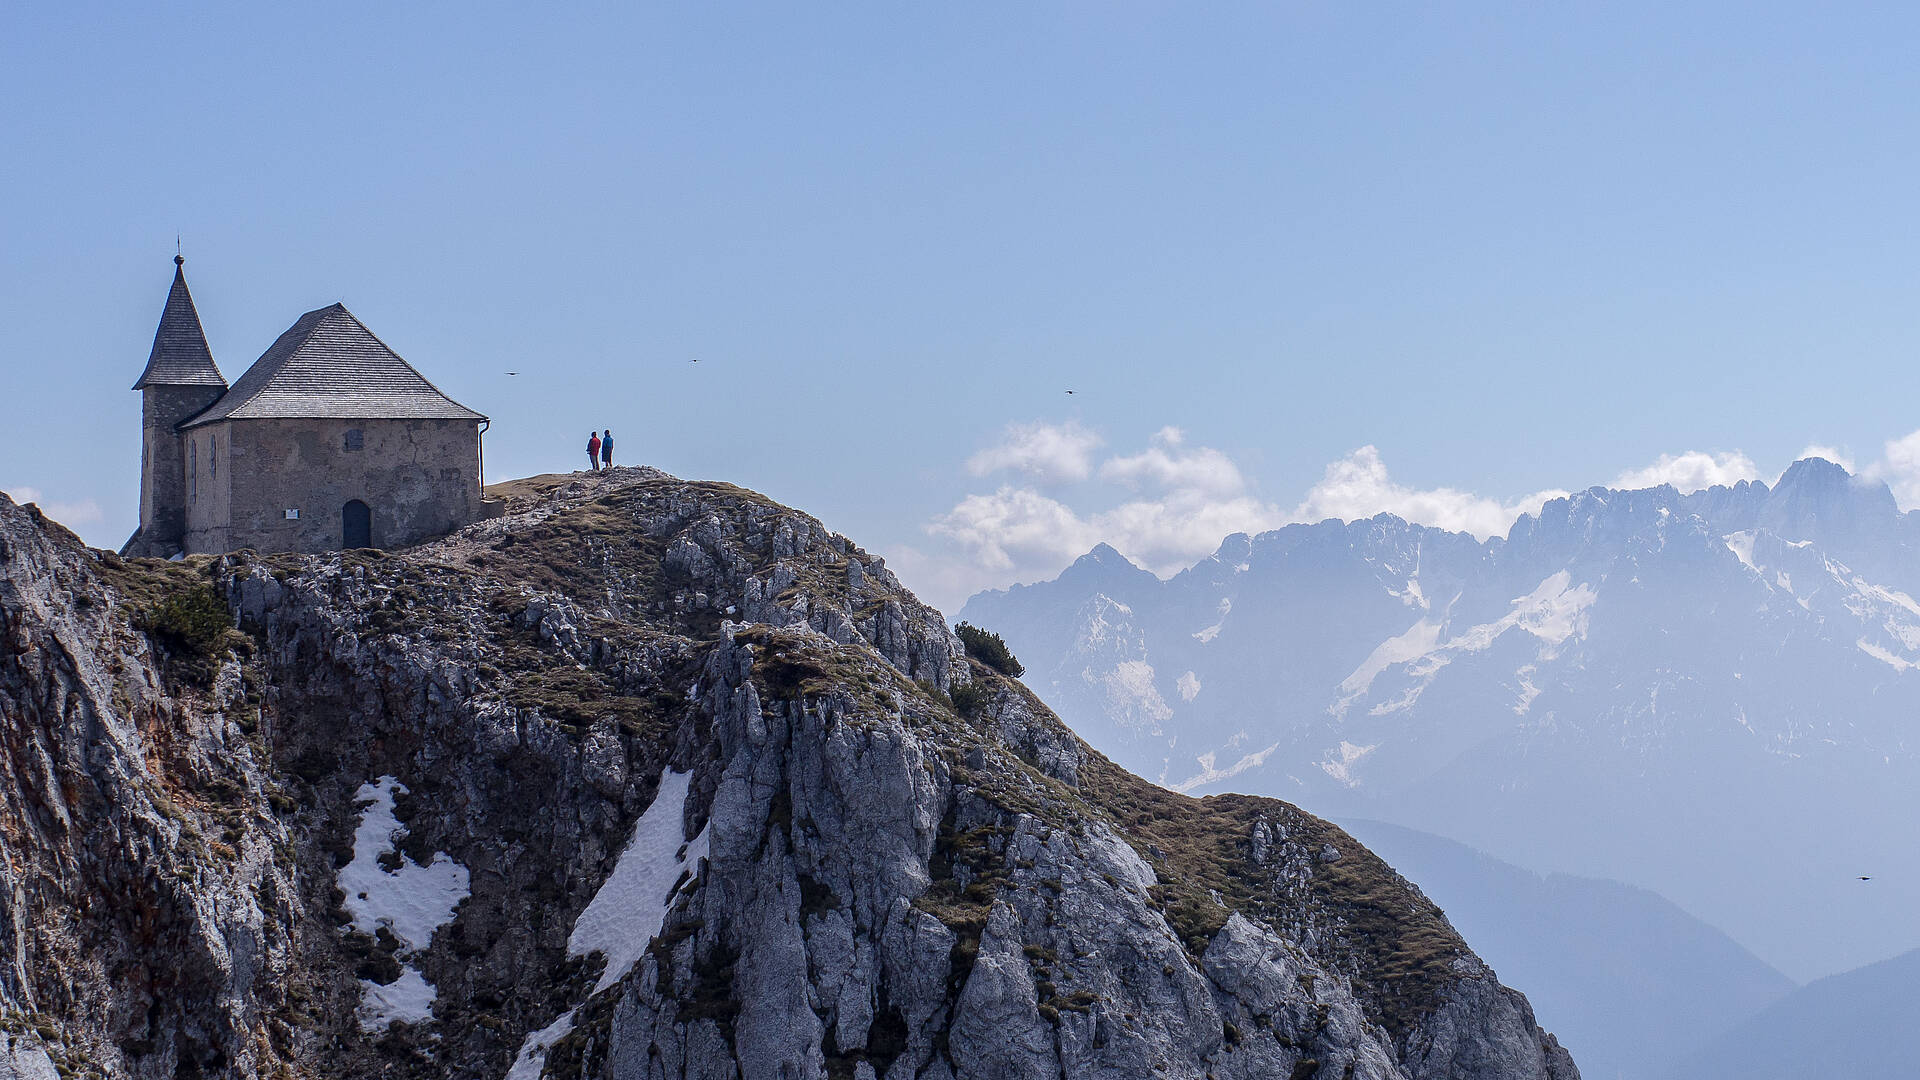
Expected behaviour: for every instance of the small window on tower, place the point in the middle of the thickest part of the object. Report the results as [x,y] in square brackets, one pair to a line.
[213,458]
[355,440]
[193,471]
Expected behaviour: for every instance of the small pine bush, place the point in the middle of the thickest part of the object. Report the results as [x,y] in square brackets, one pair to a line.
[968,697]
[990,649]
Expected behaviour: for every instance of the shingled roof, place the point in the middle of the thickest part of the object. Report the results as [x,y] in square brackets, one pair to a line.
[329,365]
[180,356]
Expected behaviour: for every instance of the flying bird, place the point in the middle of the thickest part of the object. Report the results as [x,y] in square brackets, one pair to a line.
[513,373]
[1864,877]
[695,360]
[1069,391]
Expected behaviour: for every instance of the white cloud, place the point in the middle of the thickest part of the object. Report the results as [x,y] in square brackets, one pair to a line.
[1014,527]
[1051,453]
[1831,453]
[74,515]
[1691,471]
[1166,463]
[1358,486]
[1900,468]
[1167,506]
[1171,503]
[1029,534]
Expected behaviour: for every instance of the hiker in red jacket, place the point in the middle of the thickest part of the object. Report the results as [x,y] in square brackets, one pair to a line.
[593,452]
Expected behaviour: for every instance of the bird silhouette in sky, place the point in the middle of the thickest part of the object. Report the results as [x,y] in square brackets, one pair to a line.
[1069,391]
[695,360]
[513,373]
[1864,877]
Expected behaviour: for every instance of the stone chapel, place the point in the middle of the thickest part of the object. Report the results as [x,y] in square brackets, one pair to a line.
[330,440]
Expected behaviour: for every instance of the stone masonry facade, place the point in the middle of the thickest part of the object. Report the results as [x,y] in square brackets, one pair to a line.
[283,485]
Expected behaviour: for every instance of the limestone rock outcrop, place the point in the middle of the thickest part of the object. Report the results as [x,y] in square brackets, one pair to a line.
[346,815]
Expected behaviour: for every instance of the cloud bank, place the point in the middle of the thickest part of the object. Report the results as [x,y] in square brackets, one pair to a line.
[1049,453]
[1695,470]
[1165,506]
[1170,502]
[1358,486]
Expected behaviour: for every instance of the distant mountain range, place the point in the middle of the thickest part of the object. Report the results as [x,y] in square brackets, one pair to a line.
[1629,983]
[1861,1025]
[1711,695]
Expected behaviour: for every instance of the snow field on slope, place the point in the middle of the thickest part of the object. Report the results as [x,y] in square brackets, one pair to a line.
[411,902]
[627,912]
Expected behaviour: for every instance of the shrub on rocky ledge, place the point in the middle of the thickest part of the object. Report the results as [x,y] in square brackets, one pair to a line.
[192,621]
[990,649]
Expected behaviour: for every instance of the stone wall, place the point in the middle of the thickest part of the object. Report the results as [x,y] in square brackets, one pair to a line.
[420,478]
[163,465]
[209,458]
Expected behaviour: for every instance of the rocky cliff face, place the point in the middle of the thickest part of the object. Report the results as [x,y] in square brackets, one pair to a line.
[647,779]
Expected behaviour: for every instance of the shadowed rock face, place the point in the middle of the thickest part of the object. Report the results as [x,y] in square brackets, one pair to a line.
[894,886]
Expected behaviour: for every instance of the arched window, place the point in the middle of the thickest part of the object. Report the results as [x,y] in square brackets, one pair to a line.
[213,458]
[193,471]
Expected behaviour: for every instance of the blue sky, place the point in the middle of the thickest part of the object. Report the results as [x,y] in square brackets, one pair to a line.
[1512,249]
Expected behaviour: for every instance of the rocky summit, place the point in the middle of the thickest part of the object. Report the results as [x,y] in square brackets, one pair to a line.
[646,779]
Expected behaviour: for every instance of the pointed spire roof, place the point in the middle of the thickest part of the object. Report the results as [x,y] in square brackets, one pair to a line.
[329,365]
[180,356]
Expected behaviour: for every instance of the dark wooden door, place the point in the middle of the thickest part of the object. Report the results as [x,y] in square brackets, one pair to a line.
[356,525]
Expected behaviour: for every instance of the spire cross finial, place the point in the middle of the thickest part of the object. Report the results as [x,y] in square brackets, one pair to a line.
[178,258]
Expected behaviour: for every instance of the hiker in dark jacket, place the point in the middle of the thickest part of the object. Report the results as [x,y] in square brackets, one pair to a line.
[593,452]
[606,449]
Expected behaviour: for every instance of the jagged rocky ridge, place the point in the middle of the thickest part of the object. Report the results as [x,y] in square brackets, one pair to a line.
[1710,695]
[913,869]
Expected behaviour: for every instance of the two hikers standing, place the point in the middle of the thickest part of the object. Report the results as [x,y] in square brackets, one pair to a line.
[600,450]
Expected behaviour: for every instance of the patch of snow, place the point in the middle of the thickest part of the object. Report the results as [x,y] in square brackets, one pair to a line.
[1350,755]
[532,1059]
[1224,609]
[1105,625]
[1553,612]
[1130,694]
[1419,640]
[1884,656]
[411,901]
[1741,544]
[1189,686]
[1208,774]
[627,913]
[408,999]
[1407,697]
[1528,691]
[1885,595]
[1411,596]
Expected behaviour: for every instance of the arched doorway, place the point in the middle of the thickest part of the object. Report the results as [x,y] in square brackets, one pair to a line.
[356,525]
